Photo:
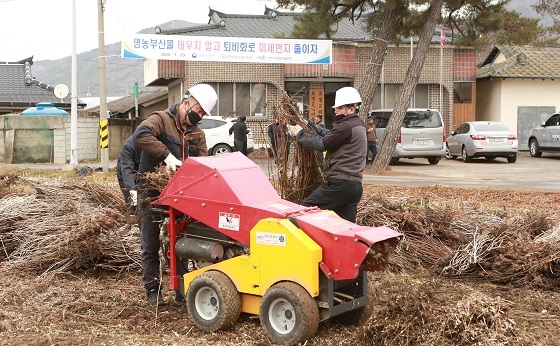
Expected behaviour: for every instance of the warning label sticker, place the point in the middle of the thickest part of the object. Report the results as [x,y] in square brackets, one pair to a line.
[229,221]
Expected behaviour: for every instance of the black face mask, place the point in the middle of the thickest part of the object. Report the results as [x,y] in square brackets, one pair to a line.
[194,118]
[338,117]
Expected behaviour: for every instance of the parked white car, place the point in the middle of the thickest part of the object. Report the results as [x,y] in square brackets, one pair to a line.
[218,139]
[422,134]
[488,139]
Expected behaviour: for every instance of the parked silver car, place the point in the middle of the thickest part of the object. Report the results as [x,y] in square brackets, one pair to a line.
[546,137]
[218,139]
[488,139]
[422,134]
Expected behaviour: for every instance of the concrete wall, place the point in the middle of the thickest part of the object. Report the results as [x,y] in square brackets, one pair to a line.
[29,139]
[47,139]
[119,131]
[489,100]
[88,139]
[499,99]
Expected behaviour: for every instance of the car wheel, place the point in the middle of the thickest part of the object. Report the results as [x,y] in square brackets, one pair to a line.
[433,160]
[221,149]
[534,148]
[512,158]
[448,154]
[394,160]
[466,157]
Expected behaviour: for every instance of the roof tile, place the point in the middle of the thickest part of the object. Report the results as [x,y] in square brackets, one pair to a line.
[15,90]
[529,61]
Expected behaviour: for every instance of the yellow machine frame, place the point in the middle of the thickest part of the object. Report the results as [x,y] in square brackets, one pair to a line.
[279,251]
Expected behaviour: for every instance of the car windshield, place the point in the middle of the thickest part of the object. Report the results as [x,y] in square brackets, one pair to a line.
[490,127]
[424,119]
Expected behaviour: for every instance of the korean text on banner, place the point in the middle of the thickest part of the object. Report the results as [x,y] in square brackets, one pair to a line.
[227,49]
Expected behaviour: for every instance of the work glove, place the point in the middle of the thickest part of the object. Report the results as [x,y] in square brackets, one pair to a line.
[293,130]
[172,162]
[133,197]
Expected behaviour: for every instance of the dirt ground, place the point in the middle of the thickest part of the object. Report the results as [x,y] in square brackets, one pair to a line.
[476,267]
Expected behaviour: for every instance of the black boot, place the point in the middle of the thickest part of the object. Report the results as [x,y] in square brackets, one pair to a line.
[153,293]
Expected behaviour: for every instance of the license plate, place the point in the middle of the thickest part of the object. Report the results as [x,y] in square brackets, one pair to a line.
[417,142]
[496,139]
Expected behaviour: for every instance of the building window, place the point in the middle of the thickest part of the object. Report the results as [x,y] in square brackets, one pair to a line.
[462,92]
[258,99]
[236,99]
[299,93]
[224,106]
[420,99]
[242,99]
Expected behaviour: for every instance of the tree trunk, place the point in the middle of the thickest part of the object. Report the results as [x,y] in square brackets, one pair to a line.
[389,139]
[389,18]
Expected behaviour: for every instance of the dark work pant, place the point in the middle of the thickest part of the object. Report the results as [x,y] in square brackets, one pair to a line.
[340,196]
[240,145]
[149,240]
[372,148]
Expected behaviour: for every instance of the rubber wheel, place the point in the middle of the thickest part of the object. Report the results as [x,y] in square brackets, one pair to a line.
[221,149]
[534,148]
[448,154]
[394,160]
[433,160]
[466,158]
[289,315]
[213,301]
[512,159]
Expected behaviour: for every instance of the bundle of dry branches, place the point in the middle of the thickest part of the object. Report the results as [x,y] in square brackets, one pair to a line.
[464,241]
[518,251]
[298,177]
[425,241]
[158,179]
[60,225]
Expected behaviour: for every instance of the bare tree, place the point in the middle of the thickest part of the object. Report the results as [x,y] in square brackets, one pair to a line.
[391,14]
[403,18]
[389,139]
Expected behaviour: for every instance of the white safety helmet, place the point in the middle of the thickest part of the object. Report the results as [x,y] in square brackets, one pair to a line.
[205,95]
[347,96]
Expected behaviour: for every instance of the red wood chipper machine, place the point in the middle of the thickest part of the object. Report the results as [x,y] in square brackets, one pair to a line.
[257,253]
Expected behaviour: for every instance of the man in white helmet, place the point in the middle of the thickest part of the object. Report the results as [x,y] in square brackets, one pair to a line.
[344,162]
[168,137]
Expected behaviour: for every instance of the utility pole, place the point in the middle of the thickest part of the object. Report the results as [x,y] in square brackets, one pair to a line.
[135,99]
[74,99]
[103,122]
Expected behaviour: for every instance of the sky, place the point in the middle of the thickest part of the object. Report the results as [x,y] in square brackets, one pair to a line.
[43,28]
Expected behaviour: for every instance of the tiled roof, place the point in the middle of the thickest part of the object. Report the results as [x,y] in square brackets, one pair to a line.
[528,61]
[273,24]
[276,24]
[125,104]
[18,88]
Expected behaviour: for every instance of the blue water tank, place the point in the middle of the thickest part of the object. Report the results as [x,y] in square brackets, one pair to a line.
[44,108]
